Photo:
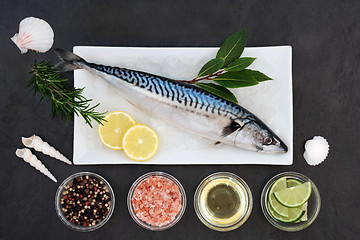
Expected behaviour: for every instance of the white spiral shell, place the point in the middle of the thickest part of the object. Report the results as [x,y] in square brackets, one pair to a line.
[39,145]
[316,150]
[34,34]
[30,158]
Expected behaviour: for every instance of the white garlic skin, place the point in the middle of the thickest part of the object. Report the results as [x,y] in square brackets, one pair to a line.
[316,150]
[34,34]
[30,158]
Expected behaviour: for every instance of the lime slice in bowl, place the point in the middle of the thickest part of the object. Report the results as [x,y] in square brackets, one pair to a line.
[278,185]
[292,182]
[294,196]
[294,214]
[277,207]
[304,218]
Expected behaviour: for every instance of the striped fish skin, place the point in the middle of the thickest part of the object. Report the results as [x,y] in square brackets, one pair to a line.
[185,105]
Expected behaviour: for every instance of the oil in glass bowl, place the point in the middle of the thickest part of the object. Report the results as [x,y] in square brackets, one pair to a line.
[223,201]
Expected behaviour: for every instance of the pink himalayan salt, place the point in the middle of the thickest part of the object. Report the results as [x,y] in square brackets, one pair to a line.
[156,201]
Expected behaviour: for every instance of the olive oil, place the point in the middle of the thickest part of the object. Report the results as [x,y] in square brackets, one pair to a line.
[223,201]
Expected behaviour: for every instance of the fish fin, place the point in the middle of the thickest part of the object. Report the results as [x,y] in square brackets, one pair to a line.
[66,55]
[65,67]
[69,61]
[135,105]
[214,144]
[232,127]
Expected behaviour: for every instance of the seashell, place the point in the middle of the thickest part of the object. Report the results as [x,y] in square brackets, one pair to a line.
[30,158]
[34,34]
[39,145]
[316,150]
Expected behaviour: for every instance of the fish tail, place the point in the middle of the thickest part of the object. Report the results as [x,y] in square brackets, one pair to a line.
[69,61]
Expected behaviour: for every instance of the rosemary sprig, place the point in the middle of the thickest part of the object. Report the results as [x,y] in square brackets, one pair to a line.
[65,100]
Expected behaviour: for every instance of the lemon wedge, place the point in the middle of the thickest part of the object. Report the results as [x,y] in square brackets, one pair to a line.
[140,142]
[111,132]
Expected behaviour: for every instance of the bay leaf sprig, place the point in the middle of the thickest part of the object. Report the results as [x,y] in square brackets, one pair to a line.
[65,100]
[228,69]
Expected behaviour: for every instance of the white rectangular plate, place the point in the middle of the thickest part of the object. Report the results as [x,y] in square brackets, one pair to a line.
[271,101]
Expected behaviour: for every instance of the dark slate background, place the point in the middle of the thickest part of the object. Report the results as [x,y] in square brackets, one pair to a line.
[325,36]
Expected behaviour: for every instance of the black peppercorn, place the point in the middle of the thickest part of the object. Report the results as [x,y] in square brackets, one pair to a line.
[86,201]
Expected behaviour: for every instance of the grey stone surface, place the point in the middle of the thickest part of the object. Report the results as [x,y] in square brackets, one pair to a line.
[325,36]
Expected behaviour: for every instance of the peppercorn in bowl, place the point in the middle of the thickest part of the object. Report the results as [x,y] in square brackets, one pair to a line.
[84,201]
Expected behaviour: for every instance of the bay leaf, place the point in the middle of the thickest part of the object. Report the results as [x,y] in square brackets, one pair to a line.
[259,76]
[211,66]
[218,91]
[236,79]
[239,64]
[233,47]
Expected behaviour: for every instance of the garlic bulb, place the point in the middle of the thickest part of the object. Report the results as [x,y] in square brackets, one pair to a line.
[39,145]
[30,158]
[316,150]
[34,34]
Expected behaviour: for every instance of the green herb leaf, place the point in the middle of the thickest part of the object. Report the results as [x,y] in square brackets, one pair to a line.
[211,66]
[259,76]
[65,100]
[236,79]
[218,90]
[240,64]
[233,47]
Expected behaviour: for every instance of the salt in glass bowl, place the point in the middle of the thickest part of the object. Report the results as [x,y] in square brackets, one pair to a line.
[144,224]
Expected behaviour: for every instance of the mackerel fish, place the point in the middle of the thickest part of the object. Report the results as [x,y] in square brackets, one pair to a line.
[184,105]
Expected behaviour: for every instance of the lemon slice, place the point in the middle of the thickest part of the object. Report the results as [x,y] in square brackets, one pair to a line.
[140,142]
[111,132]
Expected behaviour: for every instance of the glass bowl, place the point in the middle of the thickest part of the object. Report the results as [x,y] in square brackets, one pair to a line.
[59,196]
[313,209]
[243,201]
[144,224]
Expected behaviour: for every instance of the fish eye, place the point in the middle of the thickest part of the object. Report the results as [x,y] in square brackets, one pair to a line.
[267,140]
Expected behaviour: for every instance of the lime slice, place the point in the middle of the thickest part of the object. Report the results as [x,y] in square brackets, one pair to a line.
[278,185]
[304,217]
[294,196]
[292,182]
[294,215]
[277,207]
